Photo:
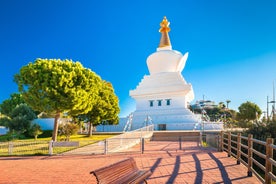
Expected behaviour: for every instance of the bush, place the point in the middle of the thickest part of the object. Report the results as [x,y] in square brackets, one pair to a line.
[67,130]
[4,138]
[14,135]
[35,130]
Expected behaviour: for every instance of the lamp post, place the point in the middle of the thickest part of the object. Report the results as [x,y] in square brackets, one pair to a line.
[273,108]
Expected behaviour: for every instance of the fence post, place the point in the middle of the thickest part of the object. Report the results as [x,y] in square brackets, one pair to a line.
[180,143]
[51,147]
[10,148]
[268,165]
[142,145]
[200,139]
[250,146]
[217,138]
[105,146]
[221,141]
[239,148]
[229,144]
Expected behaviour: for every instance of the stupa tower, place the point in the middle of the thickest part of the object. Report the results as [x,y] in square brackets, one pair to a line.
[164,30]
[164,95]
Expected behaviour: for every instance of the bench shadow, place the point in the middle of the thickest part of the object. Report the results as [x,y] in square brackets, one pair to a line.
[223,172]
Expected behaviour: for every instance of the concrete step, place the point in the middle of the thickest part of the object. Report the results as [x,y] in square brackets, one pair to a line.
[175,136]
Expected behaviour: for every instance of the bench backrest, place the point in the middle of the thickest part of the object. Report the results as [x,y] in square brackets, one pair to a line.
[116,173]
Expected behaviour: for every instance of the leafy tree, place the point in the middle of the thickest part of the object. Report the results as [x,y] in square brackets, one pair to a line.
[9,104]
[35,130]
[107,108]
[4,121]
[249,111]
[21,118]
[68,129]
[221,105]
[57,86]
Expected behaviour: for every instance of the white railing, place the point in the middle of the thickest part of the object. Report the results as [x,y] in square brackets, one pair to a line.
[24,148]
[117,143]
[128,139]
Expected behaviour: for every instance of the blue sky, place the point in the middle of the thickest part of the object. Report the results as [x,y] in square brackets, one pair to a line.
[231,44]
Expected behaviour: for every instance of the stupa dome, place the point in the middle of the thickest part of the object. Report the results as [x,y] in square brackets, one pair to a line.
[165,59]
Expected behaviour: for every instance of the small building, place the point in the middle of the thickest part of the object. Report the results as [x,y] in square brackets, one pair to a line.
[203,104]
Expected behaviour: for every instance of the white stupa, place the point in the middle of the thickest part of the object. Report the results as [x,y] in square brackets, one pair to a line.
[162,98]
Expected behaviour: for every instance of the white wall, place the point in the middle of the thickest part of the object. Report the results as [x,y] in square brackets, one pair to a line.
[175,102]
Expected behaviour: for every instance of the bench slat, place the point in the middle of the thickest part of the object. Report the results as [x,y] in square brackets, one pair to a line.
[140,177]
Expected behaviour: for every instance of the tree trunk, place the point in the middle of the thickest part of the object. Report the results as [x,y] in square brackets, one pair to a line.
[55,130]
[90,129]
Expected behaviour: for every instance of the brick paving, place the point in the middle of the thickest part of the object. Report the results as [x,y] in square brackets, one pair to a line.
[192,164]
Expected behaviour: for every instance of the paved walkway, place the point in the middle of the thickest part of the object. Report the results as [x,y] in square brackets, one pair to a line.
[192,164]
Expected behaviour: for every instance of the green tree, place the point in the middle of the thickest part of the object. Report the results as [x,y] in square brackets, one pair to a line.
[4,121]
[107,108]
[35,130]
[7,106]
[57,86]
[249,111]
[221,105]
[21,118]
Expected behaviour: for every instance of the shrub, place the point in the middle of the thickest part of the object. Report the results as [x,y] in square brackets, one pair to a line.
[67,130]
[46,134]
[35,130]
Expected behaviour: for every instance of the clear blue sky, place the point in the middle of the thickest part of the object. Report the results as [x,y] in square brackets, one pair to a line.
[231,43]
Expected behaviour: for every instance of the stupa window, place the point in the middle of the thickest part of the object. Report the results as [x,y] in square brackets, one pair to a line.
[159,102]
[151,103]
[168,101]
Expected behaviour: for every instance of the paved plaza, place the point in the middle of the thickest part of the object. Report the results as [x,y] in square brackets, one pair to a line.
[168,164]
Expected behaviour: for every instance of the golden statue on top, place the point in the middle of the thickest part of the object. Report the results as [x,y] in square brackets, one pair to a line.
[165,39]
[164,25]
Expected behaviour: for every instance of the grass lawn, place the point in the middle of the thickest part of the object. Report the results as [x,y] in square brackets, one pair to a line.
[29,146]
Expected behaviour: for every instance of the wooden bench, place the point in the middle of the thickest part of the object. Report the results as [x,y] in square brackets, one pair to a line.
[124,172]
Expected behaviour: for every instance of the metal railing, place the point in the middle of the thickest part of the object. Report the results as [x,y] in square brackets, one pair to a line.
[243,149]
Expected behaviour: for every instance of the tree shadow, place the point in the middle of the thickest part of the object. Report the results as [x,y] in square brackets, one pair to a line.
[155,165]
[175,170]
[199,172]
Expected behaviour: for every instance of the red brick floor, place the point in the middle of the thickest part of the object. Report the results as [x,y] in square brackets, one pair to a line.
[168,165]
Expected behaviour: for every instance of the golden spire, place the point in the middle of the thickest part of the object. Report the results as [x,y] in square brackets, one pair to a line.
[165,39]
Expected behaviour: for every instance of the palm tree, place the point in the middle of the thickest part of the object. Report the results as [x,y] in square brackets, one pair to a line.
[227,102]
